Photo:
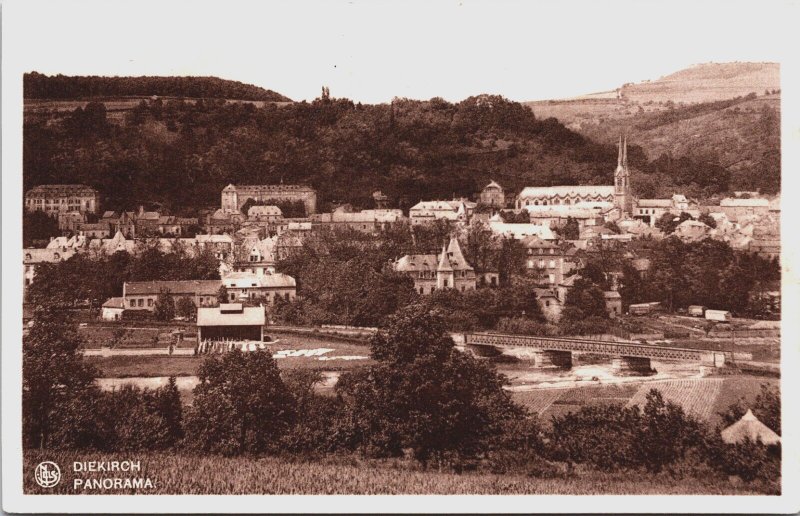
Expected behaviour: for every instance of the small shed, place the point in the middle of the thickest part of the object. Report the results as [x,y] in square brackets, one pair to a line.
[231,321]
[750,426]
[112,309]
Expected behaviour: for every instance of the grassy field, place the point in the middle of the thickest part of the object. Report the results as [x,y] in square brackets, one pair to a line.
[166,365]
[173,473]
[703,398]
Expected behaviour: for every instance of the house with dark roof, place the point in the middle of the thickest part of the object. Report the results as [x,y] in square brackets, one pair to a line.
[142,295]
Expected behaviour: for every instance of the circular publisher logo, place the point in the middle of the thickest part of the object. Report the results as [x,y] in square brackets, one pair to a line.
[47,474]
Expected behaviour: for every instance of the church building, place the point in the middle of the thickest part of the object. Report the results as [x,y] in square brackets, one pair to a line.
[616,196]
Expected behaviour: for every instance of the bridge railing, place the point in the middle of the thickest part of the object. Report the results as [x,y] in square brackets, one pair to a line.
[585,345]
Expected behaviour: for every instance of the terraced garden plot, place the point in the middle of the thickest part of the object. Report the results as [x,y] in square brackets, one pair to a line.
[537,400]
[695,395]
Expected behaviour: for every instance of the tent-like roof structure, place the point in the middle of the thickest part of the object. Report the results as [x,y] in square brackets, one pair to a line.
[749,426]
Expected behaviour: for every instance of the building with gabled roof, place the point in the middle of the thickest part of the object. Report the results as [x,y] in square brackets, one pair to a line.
[431,272]
[53,199]
[142,295]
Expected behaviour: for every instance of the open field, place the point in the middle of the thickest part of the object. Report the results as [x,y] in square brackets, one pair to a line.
[342,357]
[174,473]
[703,398]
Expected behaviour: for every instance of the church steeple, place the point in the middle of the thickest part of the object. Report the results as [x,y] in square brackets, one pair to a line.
[622,194]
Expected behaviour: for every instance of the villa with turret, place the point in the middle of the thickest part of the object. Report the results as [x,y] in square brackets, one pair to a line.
[430,272]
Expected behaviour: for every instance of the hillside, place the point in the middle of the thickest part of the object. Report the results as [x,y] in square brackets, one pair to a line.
[726,114]
[706,82]
[62,87]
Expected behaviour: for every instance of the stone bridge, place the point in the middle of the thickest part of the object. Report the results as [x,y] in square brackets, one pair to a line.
[629,357]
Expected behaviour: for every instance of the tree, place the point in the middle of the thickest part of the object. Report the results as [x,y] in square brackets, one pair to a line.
[423,394]
[240,405]
[222,295]
[708,220]
[164,308]
[666,433]
[571,230]
[766,407]
[38,225]
[185,307]
[54,376]
[585,299]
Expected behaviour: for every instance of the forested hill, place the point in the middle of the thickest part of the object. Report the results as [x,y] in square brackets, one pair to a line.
[62,87]
[182,153]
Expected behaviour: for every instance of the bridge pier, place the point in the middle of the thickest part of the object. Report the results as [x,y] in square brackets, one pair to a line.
[632,366]
[552,359]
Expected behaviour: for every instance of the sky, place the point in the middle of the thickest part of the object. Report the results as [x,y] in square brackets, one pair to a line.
[374,51]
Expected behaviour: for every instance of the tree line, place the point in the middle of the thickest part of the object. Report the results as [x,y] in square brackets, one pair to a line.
[40,86]
[421,399]
[180,154]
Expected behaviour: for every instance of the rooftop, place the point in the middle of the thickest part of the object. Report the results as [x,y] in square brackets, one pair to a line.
[191,287]
[567,191]
[220,316]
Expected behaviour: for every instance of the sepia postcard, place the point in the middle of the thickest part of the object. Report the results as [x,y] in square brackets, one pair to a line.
[373,256]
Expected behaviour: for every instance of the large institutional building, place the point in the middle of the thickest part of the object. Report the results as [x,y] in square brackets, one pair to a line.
[55,199]
[617,195]
[234,197]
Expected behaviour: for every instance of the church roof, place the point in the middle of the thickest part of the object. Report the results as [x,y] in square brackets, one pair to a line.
[566,191]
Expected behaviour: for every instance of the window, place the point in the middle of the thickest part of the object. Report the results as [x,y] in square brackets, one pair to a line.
[149,302]
[552,264]
[541,264]
[421,290]
[141,302]
[286,296]
[547,303]
[551,278]
[233,296]
[133,303]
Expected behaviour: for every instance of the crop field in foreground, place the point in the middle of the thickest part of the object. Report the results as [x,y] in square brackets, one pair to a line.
[695,395]
[174,473]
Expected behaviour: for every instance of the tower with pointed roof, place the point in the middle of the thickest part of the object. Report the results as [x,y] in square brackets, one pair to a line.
[444,271]
[622,180]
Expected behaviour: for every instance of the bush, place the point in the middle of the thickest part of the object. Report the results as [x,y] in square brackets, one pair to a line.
[748,460]
[240,405]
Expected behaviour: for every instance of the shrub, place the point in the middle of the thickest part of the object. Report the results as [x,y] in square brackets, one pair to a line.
[240,405]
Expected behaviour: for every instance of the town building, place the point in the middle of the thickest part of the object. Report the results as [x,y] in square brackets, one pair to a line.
[256,256]
[559,195]
[53,199]
[366,221]
[34,258]
[235,196]
[735,208]
[109,246]
[557,216]
[651,210]
[94,230]
[267,288]
[692,230]
[431,272]
[70,220]
[230,322]
[493,195]
[426,212]
[546,261]
[519,231]
[112,309]
[142,295]
[268,214]
[122,222]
